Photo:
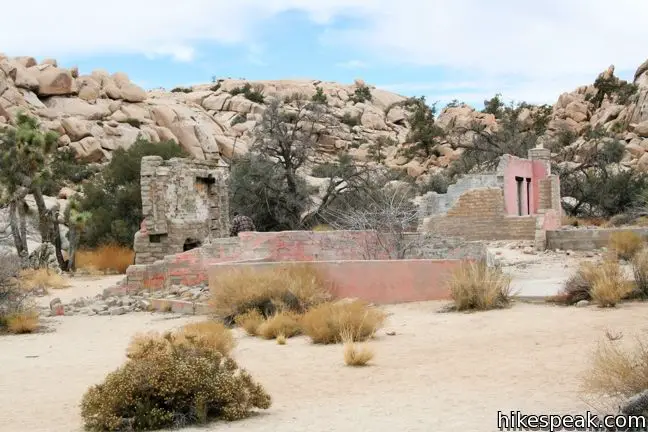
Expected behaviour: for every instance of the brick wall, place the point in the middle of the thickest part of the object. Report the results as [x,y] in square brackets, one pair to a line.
[479,215]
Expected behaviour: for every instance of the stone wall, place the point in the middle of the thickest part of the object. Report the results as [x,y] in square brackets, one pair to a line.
[585,239]
[184,204]
[190,268]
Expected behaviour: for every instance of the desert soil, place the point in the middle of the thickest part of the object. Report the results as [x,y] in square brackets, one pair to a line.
[440,371]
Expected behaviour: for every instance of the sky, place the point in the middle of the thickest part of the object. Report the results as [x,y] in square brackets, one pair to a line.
[442,49]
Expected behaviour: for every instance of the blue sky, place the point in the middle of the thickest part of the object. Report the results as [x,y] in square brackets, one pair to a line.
[455,49]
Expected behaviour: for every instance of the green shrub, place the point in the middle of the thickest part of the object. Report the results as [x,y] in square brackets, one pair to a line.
[172,380]
[361,94]
[319,96]
[114,199]
[437,183]
[63,168]
[239,118]
[181,90]
[249,93]
[133,122]
[350,120]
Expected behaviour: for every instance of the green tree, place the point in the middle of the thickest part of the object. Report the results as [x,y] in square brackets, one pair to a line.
[319,96]
[424,132]
[494,106]
[113,199]
[24,152]
[76,220]
[377,150]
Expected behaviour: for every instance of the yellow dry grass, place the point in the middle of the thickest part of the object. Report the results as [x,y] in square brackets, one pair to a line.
[105,259]
[475,286]
[281,339]
[22,322]
[608,284]
[355,355]
[294,288]
[625,244]
[42,279]
[328,322]
[282,323]
[250,321]
[618,371]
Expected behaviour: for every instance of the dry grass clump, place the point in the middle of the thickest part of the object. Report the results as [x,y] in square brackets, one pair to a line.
[284,324]
[328,322]
[42,280]
[618,372]
[354,355]
[578,286]
[292,288]
[173,380]
[250,321]
[105,259]
[22,322]
[625,244]
[608,284]
[281,339]
[640,270]
[17,311]
[475,286]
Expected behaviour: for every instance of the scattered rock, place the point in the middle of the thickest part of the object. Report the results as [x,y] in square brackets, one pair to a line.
[117,310]
[583,303]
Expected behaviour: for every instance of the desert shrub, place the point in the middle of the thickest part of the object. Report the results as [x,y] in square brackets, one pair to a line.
[281,340]
[292,288]
[181,90]
[64,167]
[16,305]
[280,324]
[258,189]
[251,94]
[350,120]
[640,271]
[328,322]
[319,96]
[173,379]
[618,371]
[106,258]
[361,94]
[250,321]
[22,322]
[133,122]
[40,280]
[437,183]
[114,198]
[625,244]
[475,286]
[578,286]
[354,355]
[608,284]
[238,119]
[208,334]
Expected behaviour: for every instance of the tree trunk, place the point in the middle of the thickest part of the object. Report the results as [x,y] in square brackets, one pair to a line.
[73,240]
[18,231]
[48,226]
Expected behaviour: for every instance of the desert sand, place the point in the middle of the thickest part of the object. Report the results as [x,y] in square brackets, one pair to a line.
[440,371]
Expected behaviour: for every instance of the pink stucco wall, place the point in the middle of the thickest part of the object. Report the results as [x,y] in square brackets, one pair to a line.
[380,282]
[516,167]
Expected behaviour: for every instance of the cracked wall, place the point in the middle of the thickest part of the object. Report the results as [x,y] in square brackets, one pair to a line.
[184,205]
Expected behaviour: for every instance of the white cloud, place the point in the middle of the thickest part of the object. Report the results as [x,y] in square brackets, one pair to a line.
[352,64]
[524,49]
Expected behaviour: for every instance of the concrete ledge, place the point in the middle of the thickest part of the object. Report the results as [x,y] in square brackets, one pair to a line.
[586,239]
[380,282]
[179,306]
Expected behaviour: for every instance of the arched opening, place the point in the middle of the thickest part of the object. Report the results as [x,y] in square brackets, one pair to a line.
[190,244]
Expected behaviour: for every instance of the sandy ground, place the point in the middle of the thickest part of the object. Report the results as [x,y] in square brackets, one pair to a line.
[441,371]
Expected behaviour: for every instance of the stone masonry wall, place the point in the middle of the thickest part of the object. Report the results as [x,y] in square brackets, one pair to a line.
[184,202]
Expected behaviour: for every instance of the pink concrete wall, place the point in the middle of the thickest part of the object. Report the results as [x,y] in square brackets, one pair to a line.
[516,167]
[380,282]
